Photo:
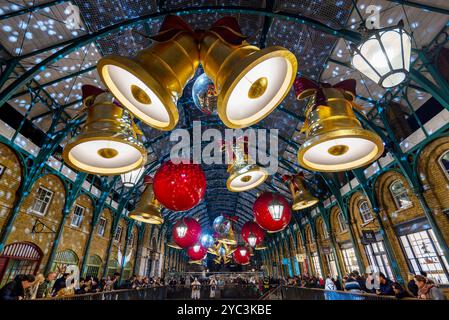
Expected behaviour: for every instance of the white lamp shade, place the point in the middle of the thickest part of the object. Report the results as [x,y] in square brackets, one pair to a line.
[196,248]
[276,209]
[252,240]
[181,230]
[243,252]
[384,57]
[131,178]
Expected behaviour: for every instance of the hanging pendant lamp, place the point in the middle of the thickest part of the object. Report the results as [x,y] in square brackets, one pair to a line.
[148,210]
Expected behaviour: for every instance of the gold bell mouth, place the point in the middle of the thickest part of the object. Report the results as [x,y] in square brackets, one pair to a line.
[335,138]
[108,143]
[140,95]
[258,88]
[148,208]
[246,178]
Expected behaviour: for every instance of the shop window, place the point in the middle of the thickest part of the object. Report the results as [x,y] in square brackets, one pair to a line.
[112,267]
[365,212]
[101,226]
[443,161]
[330,259]
[93,266]
[63,259]
[400,195]
[350,259]
[424,254]
[341,222]
[118,234]
[77,218]
[378,258]
[316,265]
[42,201]
[19,258]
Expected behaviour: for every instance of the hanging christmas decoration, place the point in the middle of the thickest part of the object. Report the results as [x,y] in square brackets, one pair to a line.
[207,240]
[272,212]
[148,209]
[243,174]
[335,139]
[221,225]
[229,236]
[252,233]
[109,142]
[241,255]
[245,75]
[204,95]
[196,252]
[302,198]
[149,84]
[179,187]
[186,232]
[130,179]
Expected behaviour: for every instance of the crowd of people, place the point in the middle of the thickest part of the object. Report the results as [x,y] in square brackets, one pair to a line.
[28,287]
[419,286]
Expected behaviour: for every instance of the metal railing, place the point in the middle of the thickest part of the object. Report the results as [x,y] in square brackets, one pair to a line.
[297,293]
[227,292]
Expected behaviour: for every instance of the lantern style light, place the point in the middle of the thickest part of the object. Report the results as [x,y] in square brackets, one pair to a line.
[186,232]
[181,230]
[252,239]
[196,252]
[241,255]
[384,56]
[252,233]
[196,248]
[276,208]
[131,178]
[272,212]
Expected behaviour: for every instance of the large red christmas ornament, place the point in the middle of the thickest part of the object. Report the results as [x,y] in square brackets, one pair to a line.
[252,233]
[179,187]
[186,232]
[272,211]
[196,252]
[241,255]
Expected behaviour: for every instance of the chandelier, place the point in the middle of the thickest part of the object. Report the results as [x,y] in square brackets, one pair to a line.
[275,208]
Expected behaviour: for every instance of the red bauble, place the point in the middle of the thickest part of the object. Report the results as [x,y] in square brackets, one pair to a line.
[272,211]
[241,255]
[252,228]
[192,233]
[196,255]
[179,187]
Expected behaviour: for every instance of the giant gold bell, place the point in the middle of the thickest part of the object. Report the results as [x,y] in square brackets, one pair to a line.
[243,175]
[149,84]
[335,139]
[148,208]
[302,198]
[108,143]
[250,82]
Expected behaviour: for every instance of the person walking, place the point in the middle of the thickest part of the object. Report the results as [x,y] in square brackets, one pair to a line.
[330,285]
[31,292]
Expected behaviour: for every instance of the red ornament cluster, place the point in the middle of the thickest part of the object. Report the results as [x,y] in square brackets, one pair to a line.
[252,228]
[179,187]
[241,255]
[192,235]
[263,216]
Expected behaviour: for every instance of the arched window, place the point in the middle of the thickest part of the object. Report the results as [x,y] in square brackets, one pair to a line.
[93,266]
[341,222]
[444,163]
[365,211]
[400,196]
